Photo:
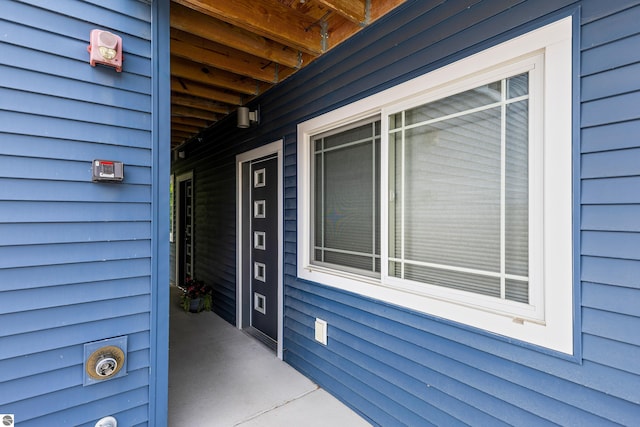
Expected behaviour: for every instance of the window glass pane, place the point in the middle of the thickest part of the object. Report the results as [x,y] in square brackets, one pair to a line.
[395,186]
[517,291]
[317,217]
[395,269]
[355,261]
[453,279]
[376,177]
[452,192]
[349,136]
[474,98]
[517,190]
[459,187]
[395,121]
[517,86]
[347,198]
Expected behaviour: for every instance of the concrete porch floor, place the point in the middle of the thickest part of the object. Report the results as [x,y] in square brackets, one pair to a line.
[220,376]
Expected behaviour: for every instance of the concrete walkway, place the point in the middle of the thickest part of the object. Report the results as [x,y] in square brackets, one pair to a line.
[220,376]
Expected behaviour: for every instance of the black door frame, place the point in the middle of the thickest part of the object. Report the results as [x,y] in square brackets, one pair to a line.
[243,227]
[179,240]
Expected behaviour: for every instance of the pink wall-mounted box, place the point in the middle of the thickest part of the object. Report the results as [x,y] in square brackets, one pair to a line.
[105,48]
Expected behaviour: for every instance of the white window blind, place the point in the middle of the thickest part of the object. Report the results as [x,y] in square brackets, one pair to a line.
[458,216]
[346,185]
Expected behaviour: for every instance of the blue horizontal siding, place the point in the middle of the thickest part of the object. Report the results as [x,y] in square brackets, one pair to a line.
[36,82]
[611,245]
[404,379]
[45,383]
[618,326]
[46,190]
[75,69]
[466,365]
[611,164]
[61,274]
[612,353]
[60,128]
[615,109]
[611,217]
[67,211]
[50,339]
[614,299]
[73,19]
[614,26]
[609,271]
[59,317]
[610,137]
[106,399]
[60,358]
[615,82]
[64,149]
[70,109]
[37,299]
[610,56]
[37,255]
[39,234]
[611,190]
[64,170]
[76,255]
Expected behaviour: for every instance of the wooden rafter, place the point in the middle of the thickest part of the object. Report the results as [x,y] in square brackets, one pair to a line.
[189,87]
[224,53]
[212,29]
[353,10]
[266,18]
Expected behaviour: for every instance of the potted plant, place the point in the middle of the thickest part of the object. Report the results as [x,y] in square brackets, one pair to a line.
[196,296]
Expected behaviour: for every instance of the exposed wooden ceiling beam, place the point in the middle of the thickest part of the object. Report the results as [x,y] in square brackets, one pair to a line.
[353,10]
[185,128]
[189,87]
[224,53]
[190,121]
[211,76]
[209,28]
[179,110]
[200,103]
[215,55]
[181,136]
[266,18]
[379,8]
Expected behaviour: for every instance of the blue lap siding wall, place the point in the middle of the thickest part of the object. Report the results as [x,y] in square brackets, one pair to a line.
[398,367]
[77,259]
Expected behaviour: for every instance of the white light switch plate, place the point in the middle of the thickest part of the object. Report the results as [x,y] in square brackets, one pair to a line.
[321,331]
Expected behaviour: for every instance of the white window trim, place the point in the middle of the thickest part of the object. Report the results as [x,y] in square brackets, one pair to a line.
[552,328]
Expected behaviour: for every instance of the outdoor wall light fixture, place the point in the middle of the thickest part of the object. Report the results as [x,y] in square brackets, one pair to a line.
[246,117]
[106,49]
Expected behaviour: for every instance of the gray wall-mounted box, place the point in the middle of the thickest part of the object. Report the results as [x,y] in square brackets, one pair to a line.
[107,171]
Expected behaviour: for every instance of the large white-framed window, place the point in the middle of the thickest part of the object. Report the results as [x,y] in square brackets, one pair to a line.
[474,197]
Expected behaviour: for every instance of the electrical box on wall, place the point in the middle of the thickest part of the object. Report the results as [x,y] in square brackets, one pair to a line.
[105,48]
[107,171]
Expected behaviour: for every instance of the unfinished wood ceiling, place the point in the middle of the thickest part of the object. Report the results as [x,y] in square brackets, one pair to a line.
[226,52]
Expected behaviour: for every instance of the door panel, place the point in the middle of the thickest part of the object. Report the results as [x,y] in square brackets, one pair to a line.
[185,230]
[264,246]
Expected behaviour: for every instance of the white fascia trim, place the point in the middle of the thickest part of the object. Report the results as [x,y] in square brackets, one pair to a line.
[556,331]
